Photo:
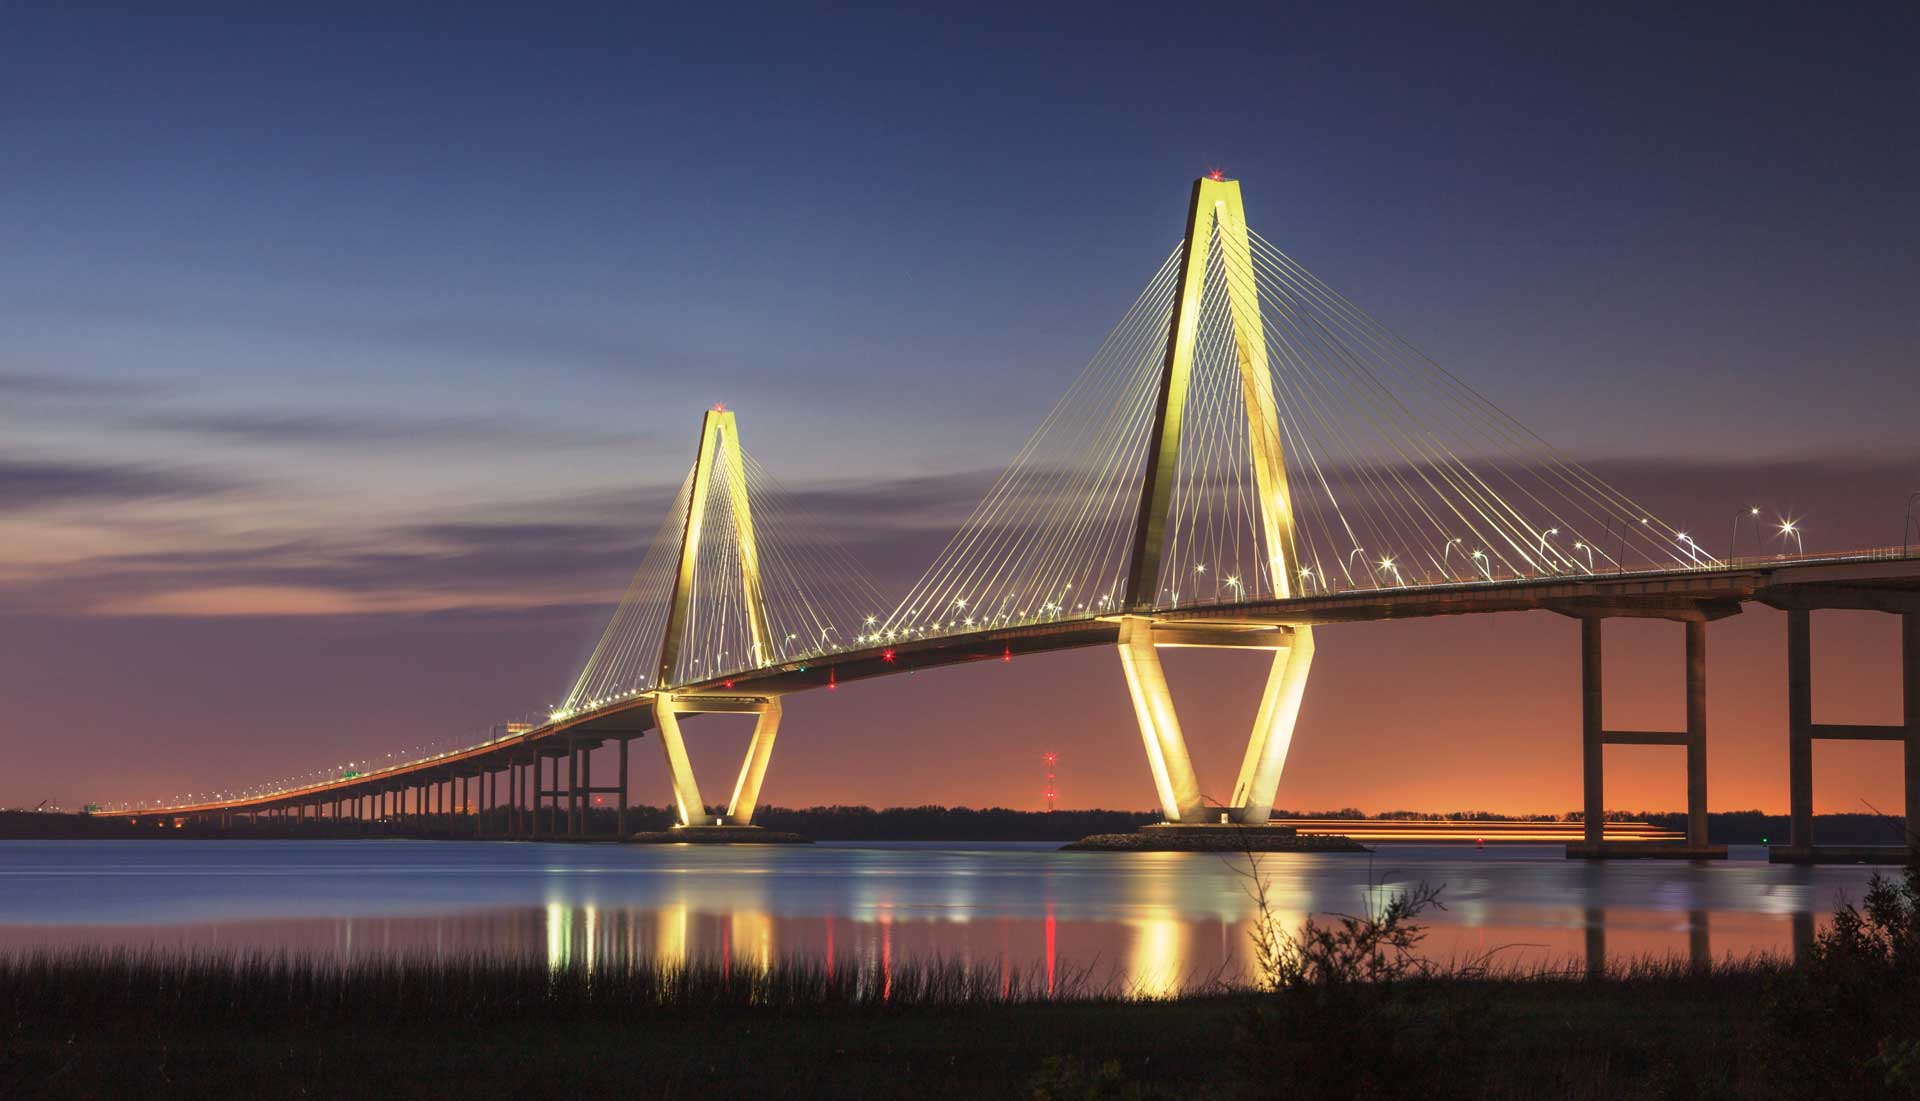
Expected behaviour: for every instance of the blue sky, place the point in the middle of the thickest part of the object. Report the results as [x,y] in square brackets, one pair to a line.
[419,304]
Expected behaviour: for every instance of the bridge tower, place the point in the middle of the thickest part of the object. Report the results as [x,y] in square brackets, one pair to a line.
[719,454]
[1215,209]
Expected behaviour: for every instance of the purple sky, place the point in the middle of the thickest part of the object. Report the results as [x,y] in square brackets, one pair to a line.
[347,357]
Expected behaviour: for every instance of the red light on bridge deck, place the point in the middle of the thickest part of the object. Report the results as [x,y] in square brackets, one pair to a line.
[1006,654]
[886,656]
[729,684]
[833,679]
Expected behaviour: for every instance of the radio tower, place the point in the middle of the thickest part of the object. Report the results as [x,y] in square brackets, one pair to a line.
[1051,758]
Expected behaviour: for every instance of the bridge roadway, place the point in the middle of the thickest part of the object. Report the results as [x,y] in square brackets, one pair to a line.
[1885,580]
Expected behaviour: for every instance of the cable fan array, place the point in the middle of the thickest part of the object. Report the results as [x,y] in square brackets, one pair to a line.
[1399,474]
[1053,536]
[815,596]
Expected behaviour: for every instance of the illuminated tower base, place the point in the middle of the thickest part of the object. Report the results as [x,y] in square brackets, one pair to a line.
[1181,799]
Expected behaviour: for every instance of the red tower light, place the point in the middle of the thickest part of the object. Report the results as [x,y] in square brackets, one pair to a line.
[1216,174]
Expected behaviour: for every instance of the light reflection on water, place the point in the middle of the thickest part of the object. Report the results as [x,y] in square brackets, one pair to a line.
[1152,922]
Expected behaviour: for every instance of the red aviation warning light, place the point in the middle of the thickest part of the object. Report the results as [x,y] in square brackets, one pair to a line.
[1216,175]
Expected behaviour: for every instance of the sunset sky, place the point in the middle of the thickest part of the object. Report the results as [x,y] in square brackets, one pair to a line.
[347,358]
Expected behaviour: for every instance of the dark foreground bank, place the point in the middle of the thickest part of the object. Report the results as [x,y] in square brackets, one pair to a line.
[119,1025]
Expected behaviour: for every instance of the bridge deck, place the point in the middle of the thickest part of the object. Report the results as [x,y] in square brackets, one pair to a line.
[1881,580]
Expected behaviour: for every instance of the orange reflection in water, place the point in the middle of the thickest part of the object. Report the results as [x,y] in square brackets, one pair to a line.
[1156,952]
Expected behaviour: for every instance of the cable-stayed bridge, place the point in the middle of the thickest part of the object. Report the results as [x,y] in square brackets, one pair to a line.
[1247,457]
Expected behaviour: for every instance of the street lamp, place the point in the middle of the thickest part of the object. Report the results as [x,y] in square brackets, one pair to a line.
[1447,550]
[1792,528]
[1543,540]
[1589,550]
[1692,547]
[1357,552]
[1387,564]
[1733,550]
[1480,557]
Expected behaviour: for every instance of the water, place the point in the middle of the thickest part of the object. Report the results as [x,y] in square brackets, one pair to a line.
[1157,922]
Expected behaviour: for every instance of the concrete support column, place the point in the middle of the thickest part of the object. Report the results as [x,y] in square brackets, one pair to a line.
[538,786]
[1910,696]
[1172,768]
[573,790]
[753,770]
[586,790]
[1696,733]
[1273,723]
[1592,745]
[1800,728]
[621,819]
[686,791]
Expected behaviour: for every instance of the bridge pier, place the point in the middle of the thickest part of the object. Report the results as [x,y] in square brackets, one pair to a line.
[1167,757]
[620,822]
[692,809]
[516,791]
[1595,737]
[1802,731]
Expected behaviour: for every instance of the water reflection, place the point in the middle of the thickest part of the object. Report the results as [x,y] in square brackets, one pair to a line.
[1147,923]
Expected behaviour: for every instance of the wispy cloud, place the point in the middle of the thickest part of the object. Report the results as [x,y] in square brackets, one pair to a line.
[579,551]
[325,430]
[30,385]
[30,483]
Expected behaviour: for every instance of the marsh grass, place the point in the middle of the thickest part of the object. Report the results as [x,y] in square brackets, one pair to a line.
[165,1023]
[102,984]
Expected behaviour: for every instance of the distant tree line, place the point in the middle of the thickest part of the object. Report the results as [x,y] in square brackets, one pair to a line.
[938,823]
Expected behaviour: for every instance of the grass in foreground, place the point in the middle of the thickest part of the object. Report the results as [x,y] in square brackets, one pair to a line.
[103,1023]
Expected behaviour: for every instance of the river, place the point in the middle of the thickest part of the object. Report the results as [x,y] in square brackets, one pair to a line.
[1151,922]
